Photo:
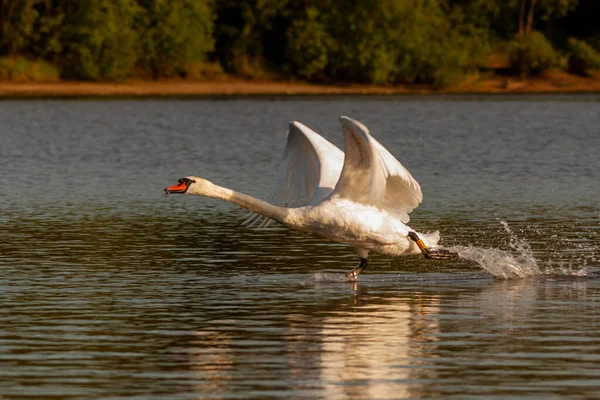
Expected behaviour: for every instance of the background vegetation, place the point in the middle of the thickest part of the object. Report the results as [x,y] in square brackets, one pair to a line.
[437,42]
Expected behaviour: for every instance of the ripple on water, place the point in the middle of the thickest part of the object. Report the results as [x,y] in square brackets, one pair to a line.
[110,290]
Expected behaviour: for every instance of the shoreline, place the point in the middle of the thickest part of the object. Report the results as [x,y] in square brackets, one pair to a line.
[551,83]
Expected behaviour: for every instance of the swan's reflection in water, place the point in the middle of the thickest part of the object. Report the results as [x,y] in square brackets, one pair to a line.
[375,351]
[414,340]
[355,346]
[212,362]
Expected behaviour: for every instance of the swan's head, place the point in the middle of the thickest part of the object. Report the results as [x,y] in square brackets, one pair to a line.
[191,185]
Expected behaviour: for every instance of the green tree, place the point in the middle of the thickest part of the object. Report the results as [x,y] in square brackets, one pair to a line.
[429,41]
[582,57]
[308,46]
[251,35]
[172,33]
[438,42]
[99,39]
[381,42]
[30,27]
[17,18]
[517,19]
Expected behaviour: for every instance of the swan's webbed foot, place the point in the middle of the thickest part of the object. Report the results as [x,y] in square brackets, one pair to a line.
[441,254]
[432,254]
[352,275]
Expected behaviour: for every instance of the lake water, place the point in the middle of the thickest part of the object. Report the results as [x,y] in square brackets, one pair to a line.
[109,289]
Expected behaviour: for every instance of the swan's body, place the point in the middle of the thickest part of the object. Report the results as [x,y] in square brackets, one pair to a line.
[361,198]
[366,228]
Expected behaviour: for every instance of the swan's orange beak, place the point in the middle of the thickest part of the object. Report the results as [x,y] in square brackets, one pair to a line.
[181,187]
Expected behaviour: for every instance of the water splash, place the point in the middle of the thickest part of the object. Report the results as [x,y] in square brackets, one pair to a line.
[324,277]
[517,263]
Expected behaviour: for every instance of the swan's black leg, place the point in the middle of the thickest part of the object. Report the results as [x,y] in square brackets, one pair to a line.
[352,275]
[432,254]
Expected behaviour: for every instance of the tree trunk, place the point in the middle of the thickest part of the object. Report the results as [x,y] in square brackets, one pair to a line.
[526,12]
[522,11]
[530,17]
[522,52]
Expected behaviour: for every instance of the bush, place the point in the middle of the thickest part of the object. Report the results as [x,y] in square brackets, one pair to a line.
[381,42]
[582,57]
[202,70]
[308,46]
[99,40]
[436,52]
[172,34]
[251,36]
[538,54]
[23,70]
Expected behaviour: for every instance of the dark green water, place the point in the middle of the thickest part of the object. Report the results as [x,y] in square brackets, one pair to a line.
[109,289]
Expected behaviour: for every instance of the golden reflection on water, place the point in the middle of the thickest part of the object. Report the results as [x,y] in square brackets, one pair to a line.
[212,361]
[376,351]
[371,347]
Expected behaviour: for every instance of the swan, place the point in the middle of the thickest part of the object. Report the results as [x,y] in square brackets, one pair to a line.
[362,197]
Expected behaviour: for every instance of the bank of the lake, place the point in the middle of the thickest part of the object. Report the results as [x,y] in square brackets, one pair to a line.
[551,82]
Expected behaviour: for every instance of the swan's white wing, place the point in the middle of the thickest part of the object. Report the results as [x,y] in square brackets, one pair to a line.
[309,171]
[310,168]
[372,175]
[403,193]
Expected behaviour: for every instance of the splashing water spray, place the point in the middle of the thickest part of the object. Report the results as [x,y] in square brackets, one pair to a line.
[517,263]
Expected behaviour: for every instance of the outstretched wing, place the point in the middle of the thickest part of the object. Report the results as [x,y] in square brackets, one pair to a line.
[372,175]
[309,171]
[310,168]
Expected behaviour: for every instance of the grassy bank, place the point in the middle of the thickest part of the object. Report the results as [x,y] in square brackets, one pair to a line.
[555,81]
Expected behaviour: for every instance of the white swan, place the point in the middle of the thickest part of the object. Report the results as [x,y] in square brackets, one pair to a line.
[361,198]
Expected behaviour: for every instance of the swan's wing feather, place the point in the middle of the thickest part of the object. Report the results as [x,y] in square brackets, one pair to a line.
[363,177]
[298,173]
[331,161]
[372,175]
[308,172]
[402,193]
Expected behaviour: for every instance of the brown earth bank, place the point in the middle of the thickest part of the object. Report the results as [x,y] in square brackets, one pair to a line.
[548,82]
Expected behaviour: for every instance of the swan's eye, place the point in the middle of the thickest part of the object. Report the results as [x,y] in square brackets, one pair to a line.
[187,181]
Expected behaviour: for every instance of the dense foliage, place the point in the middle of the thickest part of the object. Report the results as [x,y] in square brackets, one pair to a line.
[385,41]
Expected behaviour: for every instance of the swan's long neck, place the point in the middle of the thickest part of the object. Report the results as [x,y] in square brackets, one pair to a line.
[243,200]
